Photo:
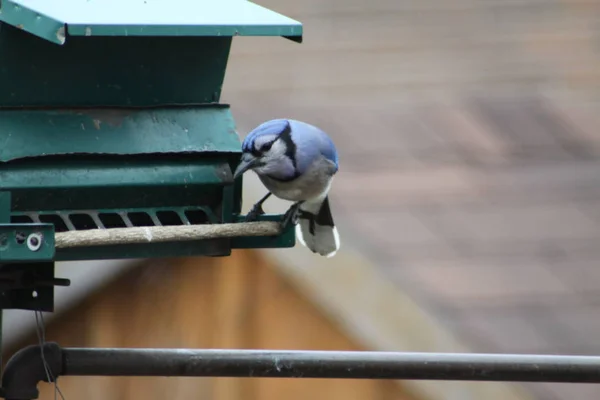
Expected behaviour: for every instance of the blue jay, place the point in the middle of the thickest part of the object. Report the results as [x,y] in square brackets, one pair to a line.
[296,162]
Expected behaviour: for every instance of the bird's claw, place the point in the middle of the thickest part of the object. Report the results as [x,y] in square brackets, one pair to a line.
[254,213]
[291,216]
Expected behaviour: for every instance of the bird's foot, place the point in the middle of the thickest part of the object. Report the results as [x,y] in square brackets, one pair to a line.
[291,216]
[255,212]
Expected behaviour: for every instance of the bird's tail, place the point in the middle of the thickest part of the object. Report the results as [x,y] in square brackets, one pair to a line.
[316,229]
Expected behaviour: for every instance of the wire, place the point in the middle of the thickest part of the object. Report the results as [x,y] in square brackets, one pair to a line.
[41,334]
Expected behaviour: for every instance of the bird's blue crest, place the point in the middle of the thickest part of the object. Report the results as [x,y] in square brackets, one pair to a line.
[272,127]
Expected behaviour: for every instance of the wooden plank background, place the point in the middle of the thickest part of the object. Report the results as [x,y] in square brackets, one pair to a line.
[234,302]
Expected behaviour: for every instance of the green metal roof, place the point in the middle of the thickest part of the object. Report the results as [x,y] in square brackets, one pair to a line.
[38,133]
[56,20]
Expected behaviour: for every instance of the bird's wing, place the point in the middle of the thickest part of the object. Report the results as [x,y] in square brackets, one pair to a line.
[329,151]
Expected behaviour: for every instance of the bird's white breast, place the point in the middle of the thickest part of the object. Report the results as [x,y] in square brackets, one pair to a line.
[313,183]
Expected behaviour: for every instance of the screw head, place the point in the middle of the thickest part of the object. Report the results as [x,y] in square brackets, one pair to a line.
[34,241]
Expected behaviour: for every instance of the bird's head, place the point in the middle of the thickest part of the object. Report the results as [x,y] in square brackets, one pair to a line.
[269,150]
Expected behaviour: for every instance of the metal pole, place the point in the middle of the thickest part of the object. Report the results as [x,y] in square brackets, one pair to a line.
[330,364]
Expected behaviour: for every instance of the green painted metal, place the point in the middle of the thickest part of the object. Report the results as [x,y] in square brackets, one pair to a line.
[98,159]
[77,161]
[129,185]
[15,243]
[123,116]
[5,204]
[82,164]
[57,21]
[73,196]
[31,21]
[118,131]
[110,71]
[126,182]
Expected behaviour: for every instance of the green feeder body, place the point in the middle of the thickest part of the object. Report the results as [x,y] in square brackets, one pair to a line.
[110,117]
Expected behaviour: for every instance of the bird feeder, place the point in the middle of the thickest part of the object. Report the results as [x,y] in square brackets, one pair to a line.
[110,118]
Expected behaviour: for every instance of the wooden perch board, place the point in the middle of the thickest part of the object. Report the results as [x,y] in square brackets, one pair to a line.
[157,234]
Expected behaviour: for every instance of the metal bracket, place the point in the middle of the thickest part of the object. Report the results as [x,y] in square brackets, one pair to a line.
[29,286]
[26,243]
[27,268]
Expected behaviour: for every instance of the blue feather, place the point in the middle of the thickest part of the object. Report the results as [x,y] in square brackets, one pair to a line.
[330,152]
[311,142]
[272,127]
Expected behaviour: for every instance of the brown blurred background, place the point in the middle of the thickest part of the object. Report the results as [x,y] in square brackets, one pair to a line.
[469,142]
[469,136]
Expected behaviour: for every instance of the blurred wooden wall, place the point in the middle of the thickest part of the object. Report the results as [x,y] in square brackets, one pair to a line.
[233,302]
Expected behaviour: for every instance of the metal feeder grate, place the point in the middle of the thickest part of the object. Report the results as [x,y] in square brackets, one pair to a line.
[106,219]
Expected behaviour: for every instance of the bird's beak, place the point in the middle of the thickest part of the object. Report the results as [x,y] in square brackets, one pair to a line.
[247,162]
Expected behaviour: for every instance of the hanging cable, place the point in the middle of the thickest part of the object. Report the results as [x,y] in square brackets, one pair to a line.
[41,334]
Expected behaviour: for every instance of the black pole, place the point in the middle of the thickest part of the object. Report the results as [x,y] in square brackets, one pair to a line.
[25,369]
[331,364]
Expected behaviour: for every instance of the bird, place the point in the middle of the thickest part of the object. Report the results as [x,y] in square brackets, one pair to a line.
[296,162]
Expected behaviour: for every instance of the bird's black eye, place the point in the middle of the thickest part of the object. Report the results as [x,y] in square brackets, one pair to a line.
[266,147]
